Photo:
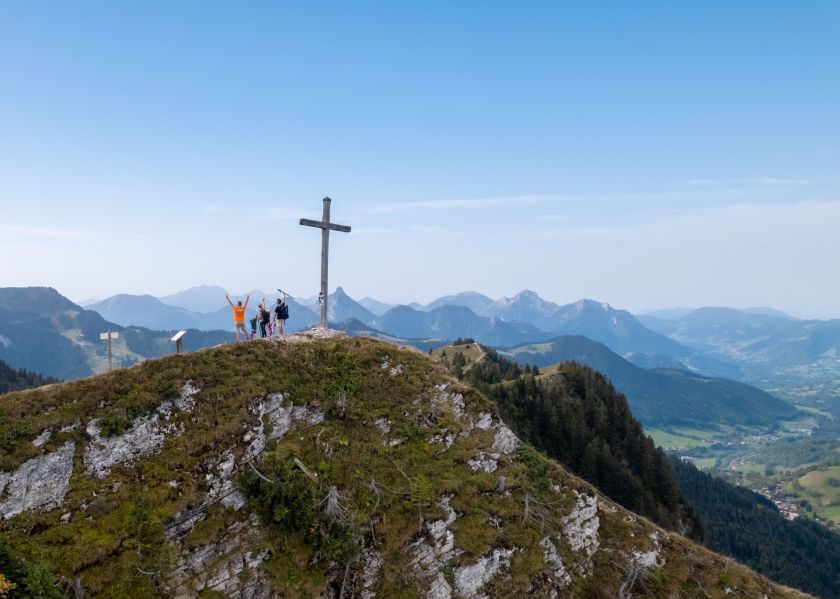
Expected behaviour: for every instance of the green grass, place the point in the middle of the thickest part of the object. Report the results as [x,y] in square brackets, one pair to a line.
[817,488]
[116,530]
[675,440]
[831,513]
[817,411]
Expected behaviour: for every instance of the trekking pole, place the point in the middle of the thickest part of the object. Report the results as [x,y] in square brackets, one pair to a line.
[285,295]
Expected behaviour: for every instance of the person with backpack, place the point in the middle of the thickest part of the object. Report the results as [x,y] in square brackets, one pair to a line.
[265,319]
[281,314]
[239,316]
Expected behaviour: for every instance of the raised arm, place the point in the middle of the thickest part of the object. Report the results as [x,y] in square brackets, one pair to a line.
[227,297]
[246,300]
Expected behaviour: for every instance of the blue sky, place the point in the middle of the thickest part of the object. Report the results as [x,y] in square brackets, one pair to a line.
[648,154]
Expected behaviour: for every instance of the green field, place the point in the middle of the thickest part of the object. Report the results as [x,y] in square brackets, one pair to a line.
[831,513]
[680,438]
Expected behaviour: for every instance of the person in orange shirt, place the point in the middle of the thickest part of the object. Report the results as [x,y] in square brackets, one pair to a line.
[239,316]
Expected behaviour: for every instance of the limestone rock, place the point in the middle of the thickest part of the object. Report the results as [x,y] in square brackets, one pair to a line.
[581,525]
[484,462]
[505,441]
[186,401]
[144,437]
[431,555]
[40,483]
[484,422]
[229,566]
[469,579]
[558,571]
[371,568]
[42,439]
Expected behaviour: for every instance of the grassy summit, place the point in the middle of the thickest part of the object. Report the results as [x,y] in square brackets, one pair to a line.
[334,467]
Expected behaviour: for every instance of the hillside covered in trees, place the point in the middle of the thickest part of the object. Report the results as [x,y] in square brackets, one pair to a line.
[12,379]
[747,526]
[577,417]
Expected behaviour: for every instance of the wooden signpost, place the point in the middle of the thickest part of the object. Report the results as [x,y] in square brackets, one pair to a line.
[178,338]
[326,226]
[109,336]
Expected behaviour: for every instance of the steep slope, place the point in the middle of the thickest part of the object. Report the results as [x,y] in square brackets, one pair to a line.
[466,299]
[579,419]
[342,307]
[747,526]
[42,331]
[12,379]
[664,397]
[452,322]
[328,468]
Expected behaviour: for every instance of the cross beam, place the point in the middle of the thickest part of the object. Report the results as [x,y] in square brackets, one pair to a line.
[326,226]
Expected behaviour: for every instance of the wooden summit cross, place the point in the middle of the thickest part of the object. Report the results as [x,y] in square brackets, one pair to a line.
[326,226]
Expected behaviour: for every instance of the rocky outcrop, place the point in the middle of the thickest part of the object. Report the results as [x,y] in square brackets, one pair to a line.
[371,569]
[484,462]
[434,553]
[469,579]
[144,437]
[39,484]
[561,578]
[276,416]
[230,566]
[505,441]
[580,526]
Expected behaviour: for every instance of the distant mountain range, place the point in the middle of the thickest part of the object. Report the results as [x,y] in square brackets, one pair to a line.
[797,359]
[44,332]
[151,312]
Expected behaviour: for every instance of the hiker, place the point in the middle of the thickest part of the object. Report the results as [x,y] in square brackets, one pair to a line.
[265,319]
[254,326]
[281,313]
[239,316]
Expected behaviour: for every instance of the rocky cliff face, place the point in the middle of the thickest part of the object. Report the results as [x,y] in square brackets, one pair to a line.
[317,468]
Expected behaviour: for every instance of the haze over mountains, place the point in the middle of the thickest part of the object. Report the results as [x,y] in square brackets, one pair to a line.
[760,346]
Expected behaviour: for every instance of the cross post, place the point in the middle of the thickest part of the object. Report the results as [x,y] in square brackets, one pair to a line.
[326,226]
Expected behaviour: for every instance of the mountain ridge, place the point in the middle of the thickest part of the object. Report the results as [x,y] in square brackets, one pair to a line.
[211,493]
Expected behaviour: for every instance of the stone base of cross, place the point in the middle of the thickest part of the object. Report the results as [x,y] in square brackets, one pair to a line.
[326,226]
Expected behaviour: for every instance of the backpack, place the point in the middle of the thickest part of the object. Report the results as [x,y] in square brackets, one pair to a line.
[265,316]
[284,311]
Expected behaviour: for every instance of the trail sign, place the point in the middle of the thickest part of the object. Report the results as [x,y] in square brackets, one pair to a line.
[109,336]
[178,339]
[326,226]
